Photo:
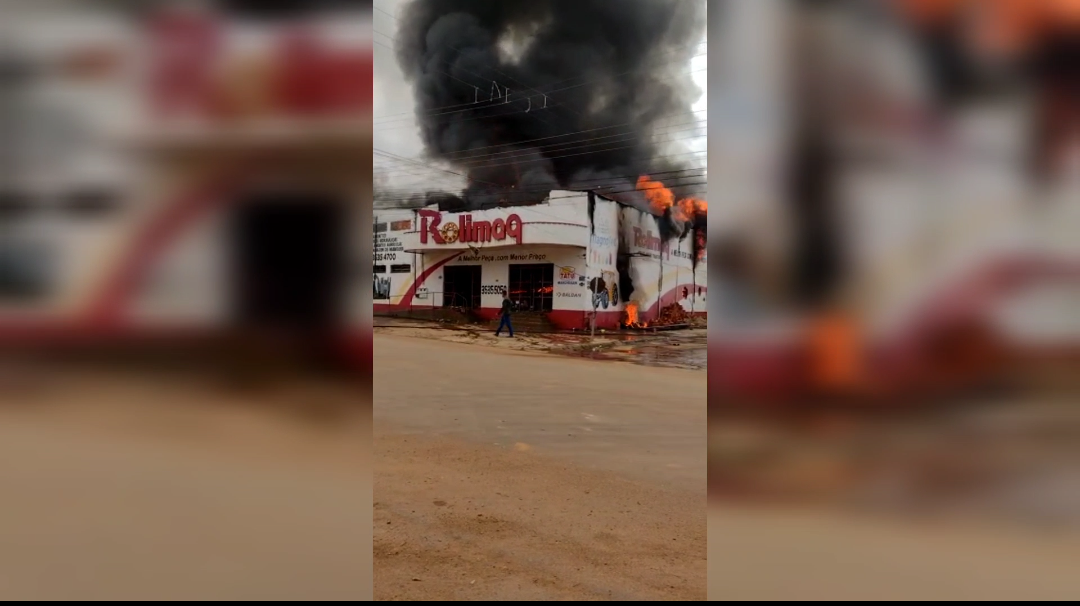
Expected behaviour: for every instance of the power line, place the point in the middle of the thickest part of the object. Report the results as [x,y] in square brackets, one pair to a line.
[692,126]
[512,154]
[484,117]
[511,160]
[624,186]
[546,94]
[497,70]
[684,189]
[561,147]
[628,191]
[421,198]
[388,119]
[547,158]
[496,165]
[587,130]
[666,174]
[376,7]
[407,115]
[404,159]
[474,87]
[596,185]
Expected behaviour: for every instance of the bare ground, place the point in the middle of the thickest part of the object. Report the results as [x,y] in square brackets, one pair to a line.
[516,476]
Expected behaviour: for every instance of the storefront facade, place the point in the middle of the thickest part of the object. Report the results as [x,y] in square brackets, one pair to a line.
[574,257]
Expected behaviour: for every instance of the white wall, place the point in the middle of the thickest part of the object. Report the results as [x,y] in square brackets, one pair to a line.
[660,267]
[191,283]
[569,293]
[389,251]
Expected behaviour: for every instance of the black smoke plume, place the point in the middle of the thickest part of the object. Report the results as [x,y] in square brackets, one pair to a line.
[527,97]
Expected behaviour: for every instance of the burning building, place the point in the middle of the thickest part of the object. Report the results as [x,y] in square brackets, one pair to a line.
[556,113]
[577,257]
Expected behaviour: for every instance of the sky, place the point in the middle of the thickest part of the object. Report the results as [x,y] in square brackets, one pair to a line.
[396,132]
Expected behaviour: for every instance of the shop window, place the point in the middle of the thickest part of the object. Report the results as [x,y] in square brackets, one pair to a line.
[400,269]
[461,286]
[381,288]
[532,286]
[380,269]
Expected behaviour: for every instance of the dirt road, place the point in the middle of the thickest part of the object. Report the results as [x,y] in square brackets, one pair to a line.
[514,476]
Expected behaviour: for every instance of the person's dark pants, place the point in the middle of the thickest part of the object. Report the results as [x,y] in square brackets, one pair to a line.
[505,323]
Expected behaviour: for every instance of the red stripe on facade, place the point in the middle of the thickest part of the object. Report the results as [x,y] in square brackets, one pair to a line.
[672,296]
[407,298]
[158,234]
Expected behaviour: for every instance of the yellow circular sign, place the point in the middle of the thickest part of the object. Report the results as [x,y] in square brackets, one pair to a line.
[449,232]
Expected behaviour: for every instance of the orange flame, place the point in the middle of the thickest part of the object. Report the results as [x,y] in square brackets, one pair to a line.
[661,199]
[631,314]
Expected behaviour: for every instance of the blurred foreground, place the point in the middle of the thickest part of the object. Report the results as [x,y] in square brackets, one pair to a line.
[769,554]
[895,346]
[138,485]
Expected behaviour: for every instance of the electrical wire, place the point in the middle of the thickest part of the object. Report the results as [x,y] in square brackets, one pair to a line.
[389,119]
[542,93]
[498,160]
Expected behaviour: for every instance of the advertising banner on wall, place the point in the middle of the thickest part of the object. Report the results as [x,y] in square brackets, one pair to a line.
[603,274]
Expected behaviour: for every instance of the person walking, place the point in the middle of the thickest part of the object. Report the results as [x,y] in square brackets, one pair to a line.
[504,321]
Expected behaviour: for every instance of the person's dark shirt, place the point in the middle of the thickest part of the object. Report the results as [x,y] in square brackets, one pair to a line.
[507,306]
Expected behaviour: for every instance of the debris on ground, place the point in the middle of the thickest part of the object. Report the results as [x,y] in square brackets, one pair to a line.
[672,314]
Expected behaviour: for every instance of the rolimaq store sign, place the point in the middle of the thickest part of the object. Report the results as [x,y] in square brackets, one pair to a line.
[553,225]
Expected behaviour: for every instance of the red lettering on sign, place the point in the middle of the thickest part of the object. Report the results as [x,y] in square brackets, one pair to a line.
[513,228]
[467,230]
[646,239]
[429,226]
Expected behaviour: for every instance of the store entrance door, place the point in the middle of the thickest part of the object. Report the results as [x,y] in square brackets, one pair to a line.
[461,286]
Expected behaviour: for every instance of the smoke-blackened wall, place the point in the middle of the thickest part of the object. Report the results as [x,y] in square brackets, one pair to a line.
[527,97]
